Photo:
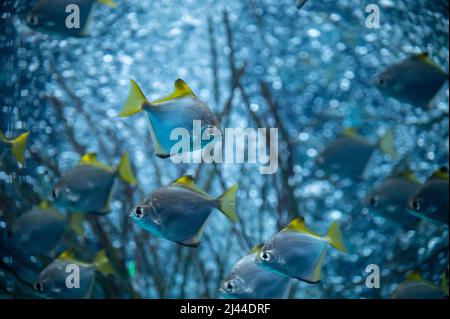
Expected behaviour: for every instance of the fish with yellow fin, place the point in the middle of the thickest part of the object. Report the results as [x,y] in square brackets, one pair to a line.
[416,287]
[298,252]
[16,146]
[40,230]
[177,110]
[179,211]
[390,198]
[246,280]
[63,17]
[415,80]
[348,155]
[88,186]
[52,282]
[430,202]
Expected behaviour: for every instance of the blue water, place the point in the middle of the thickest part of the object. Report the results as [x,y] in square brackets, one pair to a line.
[318,64]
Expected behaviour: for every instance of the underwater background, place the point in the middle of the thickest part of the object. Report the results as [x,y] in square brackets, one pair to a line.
[256,63]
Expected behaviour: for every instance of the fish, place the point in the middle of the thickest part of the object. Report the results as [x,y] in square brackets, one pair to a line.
[16,146]
[40,230]
[51,16]
[430,202]
[390,198]
[300,3]
[52,281]
[179,211]
[247,280]
[348,155]
[297,252]
[415,80]
[416,287]
[88,186]
[177,110]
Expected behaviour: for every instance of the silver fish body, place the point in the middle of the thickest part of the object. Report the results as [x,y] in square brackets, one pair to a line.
[390,199]
[84,188]
[246,280]
[51,282]
[418,290]
[175,213]
[415,80]
[38,232]
[294,254]
[430,202]
[346,157]
[50,16]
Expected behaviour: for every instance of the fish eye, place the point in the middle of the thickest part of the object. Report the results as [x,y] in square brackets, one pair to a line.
[138,212]
[33,20]
[39,286]
[416,205]
[265,256]
[374,201]
[381,81]
[54,194]
[229,286]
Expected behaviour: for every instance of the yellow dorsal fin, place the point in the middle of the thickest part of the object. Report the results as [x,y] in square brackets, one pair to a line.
[181,89]
[351,132]
[299,225]
[91,159]
[44,204]
[67,255]
[109,3]
[189,182]
[256,249]
[424,57]
[409,175]
[441,173]
[415,276]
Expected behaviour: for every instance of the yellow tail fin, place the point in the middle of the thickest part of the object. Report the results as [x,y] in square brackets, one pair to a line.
[335,237]
[109,3]
[228,203]
[134,101]
[386,144]
[125,171]
[102,264]
[18,147]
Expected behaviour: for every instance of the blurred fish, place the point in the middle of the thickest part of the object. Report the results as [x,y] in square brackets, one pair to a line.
[88,186]
[177,110]
[416,287]
[16,146]
[39,231]
[415,80]
[390,198]
[51,15]
[430,202]
[248,281]
[300,3]
[349,154]
[51,282]
[179,211]
[298,252]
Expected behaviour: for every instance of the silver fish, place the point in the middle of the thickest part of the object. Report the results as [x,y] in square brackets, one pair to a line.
[390,198]
[416,287]
[52,281]
[298,252]
[88,186]
[248,281]
[415,80]
[179,211]
[50,16]
[348,155]
[178,110]
[430,202]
